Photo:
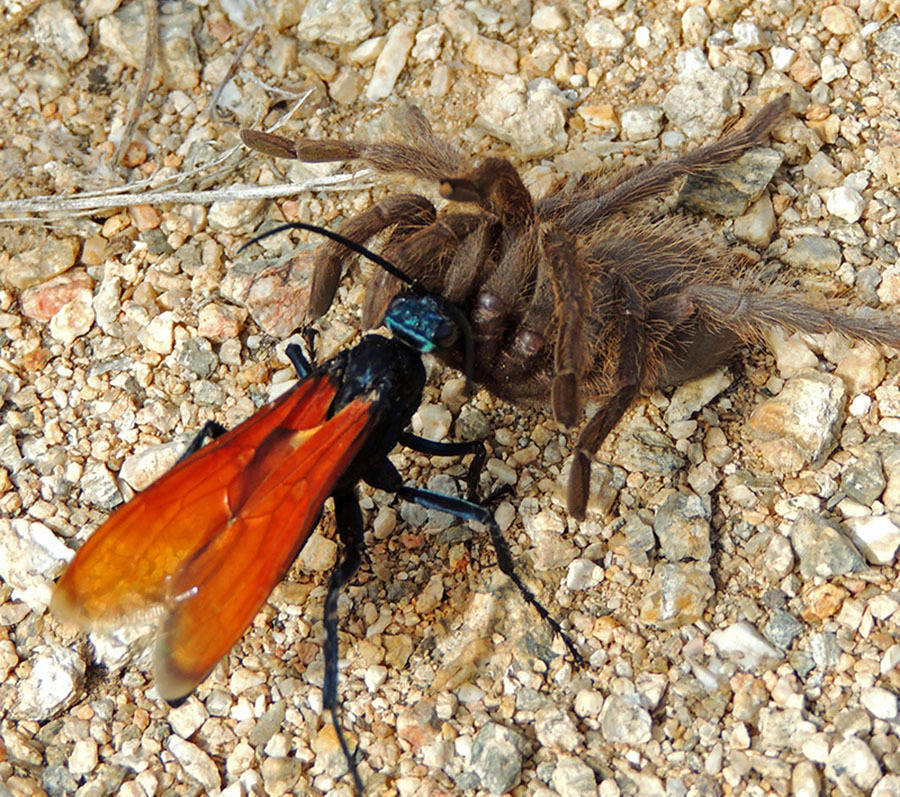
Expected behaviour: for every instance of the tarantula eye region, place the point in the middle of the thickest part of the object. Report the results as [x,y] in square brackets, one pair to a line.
[528,343]
[423,322]
[488,309]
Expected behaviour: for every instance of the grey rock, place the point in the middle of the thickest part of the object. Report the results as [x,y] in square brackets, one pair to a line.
[52,685]
[702,97]
[10,457]
[207,393]
[825,649]
[729,189]
[496,757]
[814,252]
[742,643]
[853,758]
[336,21]
[196,355]
[864,481]
[648,451]
[573,778]
[531,117]
[823,550]
[623,719]
[639,538]
[55,26]
[555,729]
[98,486]
[889,39]
[682,527]
[784,729]
[783,629]
[801,424]
[677,594]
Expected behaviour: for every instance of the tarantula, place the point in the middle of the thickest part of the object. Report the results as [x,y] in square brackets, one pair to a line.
[577,294]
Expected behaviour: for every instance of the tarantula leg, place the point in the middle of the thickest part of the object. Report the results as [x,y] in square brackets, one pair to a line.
[631,186]
[430,163]
[467,267]
[629,371]
[410,210]
[746,312]
[419,254]
[496,186]
[573,302]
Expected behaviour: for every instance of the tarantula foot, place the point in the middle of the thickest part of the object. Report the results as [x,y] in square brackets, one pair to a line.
[458,189]
[563,397]
[579,485]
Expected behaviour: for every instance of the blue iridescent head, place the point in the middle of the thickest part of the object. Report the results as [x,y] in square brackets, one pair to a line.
[424,322]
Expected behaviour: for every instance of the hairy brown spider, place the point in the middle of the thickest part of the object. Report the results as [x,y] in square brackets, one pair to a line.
[577,294]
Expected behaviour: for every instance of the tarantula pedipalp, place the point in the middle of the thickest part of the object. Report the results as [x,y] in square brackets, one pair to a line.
[577,294]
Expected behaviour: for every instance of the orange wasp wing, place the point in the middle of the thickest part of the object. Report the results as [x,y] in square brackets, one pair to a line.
[127,565]
[220,589]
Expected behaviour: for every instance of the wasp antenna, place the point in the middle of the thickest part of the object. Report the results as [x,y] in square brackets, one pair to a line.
[341,239]
[468,344]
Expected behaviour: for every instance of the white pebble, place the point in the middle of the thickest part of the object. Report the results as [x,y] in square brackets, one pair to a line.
[845,203]
[879,702]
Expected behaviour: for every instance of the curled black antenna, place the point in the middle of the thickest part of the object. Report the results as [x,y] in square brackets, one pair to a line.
[390,268]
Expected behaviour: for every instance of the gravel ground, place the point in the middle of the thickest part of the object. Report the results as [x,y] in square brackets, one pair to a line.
[734,584]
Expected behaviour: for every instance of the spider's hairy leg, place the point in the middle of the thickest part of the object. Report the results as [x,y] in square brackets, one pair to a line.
[748,313]
[408,211]
[583,210]
[629,351]
[573,303]
[494,185]
[467,269]
[419,254]
[385,157]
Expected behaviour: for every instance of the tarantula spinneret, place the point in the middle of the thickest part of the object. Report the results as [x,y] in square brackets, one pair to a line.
[577,294]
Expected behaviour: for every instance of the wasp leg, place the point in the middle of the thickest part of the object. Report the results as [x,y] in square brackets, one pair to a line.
[348,519]
[467,510]
[210,431]
[436,449]
[298,359]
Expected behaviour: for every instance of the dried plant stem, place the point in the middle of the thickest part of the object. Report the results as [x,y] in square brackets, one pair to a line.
[83,205]
[151,46]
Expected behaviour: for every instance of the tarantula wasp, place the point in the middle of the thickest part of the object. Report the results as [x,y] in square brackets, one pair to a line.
[579,293]
[212,537]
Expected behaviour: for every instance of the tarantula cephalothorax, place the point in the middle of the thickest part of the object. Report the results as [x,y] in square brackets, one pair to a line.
[577,294]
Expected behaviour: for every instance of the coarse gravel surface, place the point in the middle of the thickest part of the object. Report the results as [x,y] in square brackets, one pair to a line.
[734,586]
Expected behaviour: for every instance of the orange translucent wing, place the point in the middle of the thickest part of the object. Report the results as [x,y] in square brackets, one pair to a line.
[217,593]
[127,564]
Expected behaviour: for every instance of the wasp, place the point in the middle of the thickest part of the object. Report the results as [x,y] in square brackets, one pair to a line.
[210,540]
